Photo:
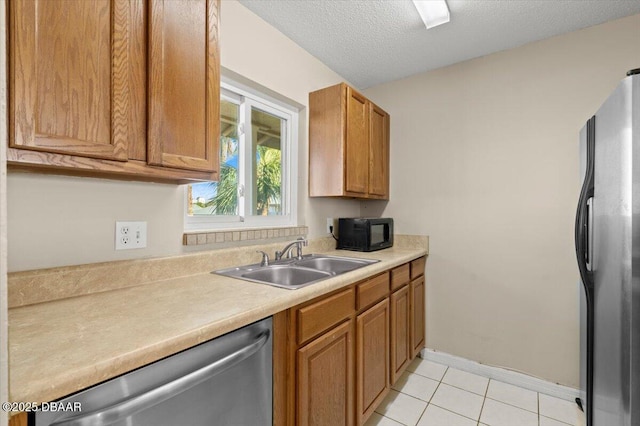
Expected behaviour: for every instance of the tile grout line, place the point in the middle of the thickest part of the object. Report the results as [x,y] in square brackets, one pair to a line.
[433,394]
[498,400]
[485,397]
[440,382]
[486,391]
[514,406]
[451,411]
[559,421]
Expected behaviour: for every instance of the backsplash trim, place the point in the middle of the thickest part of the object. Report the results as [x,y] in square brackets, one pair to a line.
[227,236]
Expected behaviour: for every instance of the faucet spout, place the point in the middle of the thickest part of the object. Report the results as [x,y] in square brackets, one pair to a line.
[286,251]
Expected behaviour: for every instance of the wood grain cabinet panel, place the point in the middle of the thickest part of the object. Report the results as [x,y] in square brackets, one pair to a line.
[357,145]
[372,290]
[417,267]
[317,317]
[325,379]
[19,419]
[400,276]
[71,70]
[348,145]
[337,356]
[184,84]
[372,359]
[116,88]
[378,152]
[417,292]
[401,353]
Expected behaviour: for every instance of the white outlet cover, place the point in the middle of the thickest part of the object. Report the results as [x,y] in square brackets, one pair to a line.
[130,235]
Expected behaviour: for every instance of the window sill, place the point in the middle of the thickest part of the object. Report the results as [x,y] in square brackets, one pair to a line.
[224,237]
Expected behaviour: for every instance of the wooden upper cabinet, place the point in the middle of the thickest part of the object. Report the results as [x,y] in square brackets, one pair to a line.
[184,84]
[357,143]
[348,145]
[115,88]
[71,69]
[378,152]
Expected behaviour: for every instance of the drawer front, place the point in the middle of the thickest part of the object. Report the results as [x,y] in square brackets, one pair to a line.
[417,267]
[324,314]
[373,290]
[399,276]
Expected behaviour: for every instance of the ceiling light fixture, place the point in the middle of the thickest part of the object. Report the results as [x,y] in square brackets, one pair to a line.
[432,12]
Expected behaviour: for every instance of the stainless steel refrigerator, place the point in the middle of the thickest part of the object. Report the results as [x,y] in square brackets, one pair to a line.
[607,235]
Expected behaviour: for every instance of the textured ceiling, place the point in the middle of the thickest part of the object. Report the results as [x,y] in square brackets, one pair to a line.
[370,42]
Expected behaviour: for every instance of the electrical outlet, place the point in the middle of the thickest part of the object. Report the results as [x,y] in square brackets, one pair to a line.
[329,224]
[131,235]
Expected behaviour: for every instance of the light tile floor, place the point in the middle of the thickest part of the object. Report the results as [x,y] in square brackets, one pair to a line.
[431,394]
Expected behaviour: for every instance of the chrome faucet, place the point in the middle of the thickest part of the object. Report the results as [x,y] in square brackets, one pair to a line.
[287,250]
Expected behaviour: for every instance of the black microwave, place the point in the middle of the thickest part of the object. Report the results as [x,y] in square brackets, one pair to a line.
[365,234]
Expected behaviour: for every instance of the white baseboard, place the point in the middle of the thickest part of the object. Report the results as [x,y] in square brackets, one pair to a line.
[502,374]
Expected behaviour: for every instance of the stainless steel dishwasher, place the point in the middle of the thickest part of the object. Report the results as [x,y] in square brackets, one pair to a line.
[225,381]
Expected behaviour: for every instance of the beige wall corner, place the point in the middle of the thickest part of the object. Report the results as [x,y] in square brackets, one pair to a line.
[484,159]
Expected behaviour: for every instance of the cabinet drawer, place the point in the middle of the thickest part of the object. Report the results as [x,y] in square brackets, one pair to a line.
[417,267]
[320,316]
[399,276]
[372,290]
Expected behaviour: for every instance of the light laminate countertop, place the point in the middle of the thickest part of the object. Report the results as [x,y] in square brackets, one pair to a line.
[60,347]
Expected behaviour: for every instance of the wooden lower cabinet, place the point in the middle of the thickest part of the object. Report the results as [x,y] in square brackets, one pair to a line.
[417,315]
[336,356]
[19,419]
[401,353]
[325,379]
[372,359]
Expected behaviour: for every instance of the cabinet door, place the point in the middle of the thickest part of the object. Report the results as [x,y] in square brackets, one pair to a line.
[357,143]
[325,379]
[184,87]
[417,315]
[372,349]
[19,419]
[400,334]
[71,65]
[378,152]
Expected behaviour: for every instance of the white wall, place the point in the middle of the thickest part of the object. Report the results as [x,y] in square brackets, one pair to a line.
[484,159]
[55,221]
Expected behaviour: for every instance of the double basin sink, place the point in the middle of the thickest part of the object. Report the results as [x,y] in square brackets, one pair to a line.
[296,273]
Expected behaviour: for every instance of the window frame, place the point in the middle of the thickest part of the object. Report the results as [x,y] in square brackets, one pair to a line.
[249,98]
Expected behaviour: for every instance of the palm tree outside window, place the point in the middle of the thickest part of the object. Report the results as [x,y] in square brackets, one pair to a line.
[256,165]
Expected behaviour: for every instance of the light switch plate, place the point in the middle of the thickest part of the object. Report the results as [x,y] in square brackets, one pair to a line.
[131,235]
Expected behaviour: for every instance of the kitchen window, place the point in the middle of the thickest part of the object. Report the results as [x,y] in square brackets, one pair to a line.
[258,167]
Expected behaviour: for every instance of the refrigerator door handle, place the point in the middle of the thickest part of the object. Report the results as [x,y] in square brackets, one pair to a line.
[588,236]
[583,213]
[583,234]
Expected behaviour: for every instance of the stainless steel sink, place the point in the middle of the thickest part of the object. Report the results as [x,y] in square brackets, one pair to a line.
[285,275]
[337,265]
[293,273]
